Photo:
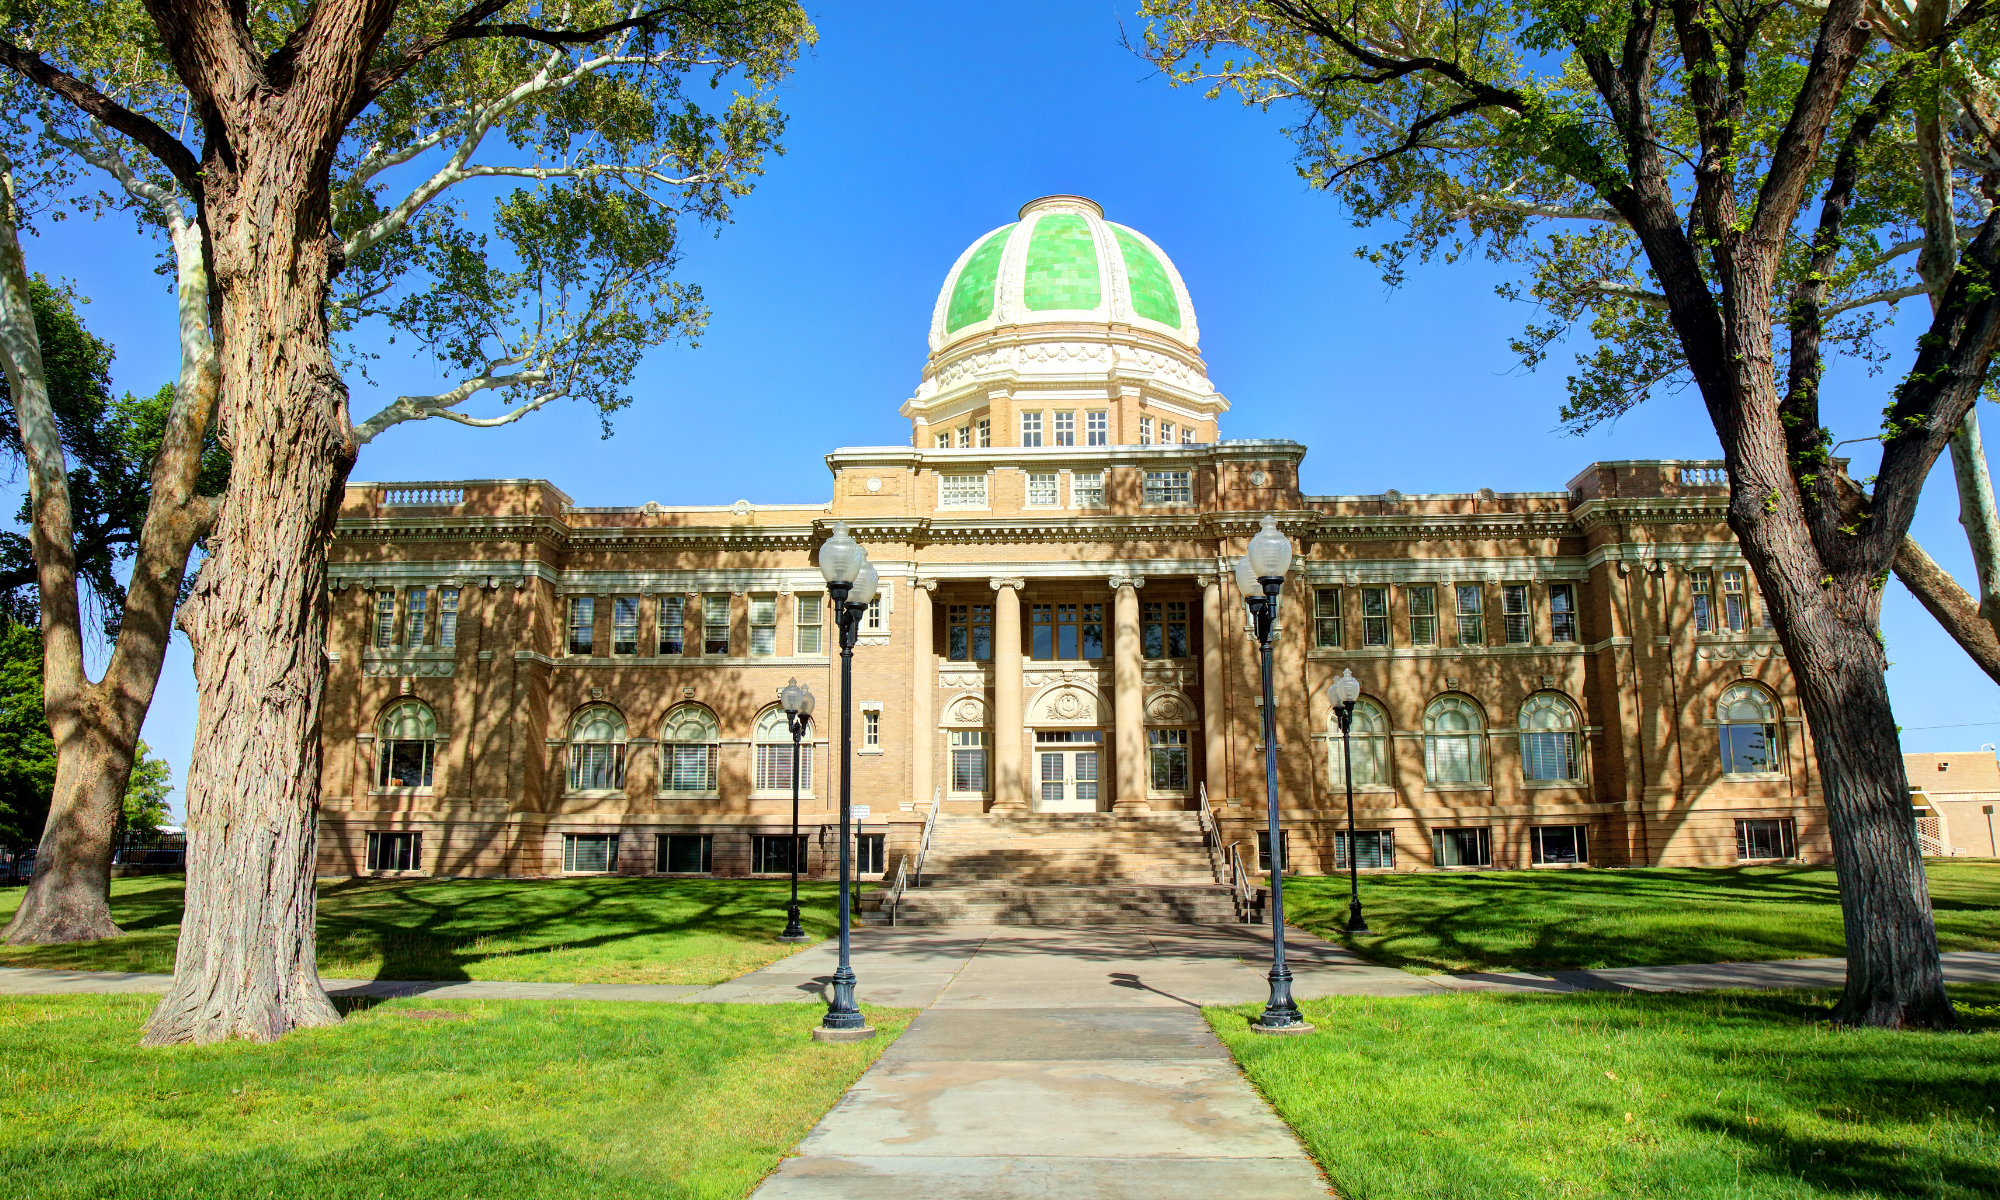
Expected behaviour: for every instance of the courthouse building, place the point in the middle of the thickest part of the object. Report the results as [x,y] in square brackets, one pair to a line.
[522,686]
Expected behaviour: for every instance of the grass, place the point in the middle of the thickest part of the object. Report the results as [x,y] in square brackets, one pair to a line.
[1551,920]
[426,1098]
[591,930]
[1724,1096]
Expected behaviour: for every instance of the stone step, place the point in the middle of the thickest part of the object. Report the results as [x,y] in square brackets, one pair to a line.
[1055,905]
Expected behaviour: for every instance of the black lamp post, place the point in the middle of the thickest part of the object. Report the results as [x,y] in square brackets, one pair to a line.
[1344,691]
[1260,575]
[798,702]
[850,580]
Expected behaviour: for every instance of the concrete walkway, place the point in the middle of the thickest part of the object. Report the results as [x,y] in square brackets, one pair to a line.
[1960,966]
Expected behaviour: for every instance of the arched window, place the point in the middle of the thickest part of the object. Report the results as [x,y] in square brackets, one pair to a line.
[1748,728]
[687,750]
[409,746]
[597,750]
[1370,733]
[774,755]
[1454,741]
[1548,739]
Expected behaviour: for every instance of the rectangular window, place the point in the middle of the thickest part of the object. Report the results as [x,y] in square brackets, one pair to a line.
[385,620]
[625,625]
[1164,629]
[871,728]
[964,437]
[871,621]
[774,767]
[1169,487]
[1548,755]
[1559,844]
[1562,612]
[1462,847]
[963,491]
[806,610]
[1145,431]
[969,632]
[1773,838]
[1326,619]
[691,767]
[1065,429]
[986,433]
[1086,489]
[943,440]
[1514,609]
[763,626]
[871,854]
[1166,433]
[596,766]
[1043,490]
[775,855]
[1031,429]
[1734,604]
[968,760]
[1704,616]
[395,851]
[673,624]
[447,618]
[1423,614]
[1374,616]
[590,853]
[582,623]
[1169,759]
[686,854]
[1264,851]
[1372,848]
[406,764]
[1187,435]
[419,611]
[1096,429]
[1471,615]
[715,624]
[1057,631]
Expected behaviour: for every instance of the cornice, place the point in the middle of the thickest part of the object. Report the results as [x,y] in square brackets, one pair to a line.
[1650,510]
[1323,528]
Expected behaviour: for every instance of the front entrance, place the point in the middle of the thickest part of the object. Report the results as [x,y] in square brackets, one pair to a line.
[1066,770]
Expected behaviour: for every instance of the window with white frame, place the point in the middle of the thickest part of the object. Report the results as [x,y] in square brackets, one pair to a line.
[1548,740]
[962,491]
[1187,435]
[968,760]
[447,618]
[807,622]
[871,621]
[1031,429]
[1562,612]
[385,619]
[1514,610]
[1373,848]
[1096,428]
[1044,489]
[1169,487]
[871,728]
[1699,584]
[1772,837]
[1558,844]
[1471,614]
[1065,429]
[1422,601]
[1145,431]
[1169,759]
[673,624]
[1747,729]
[597,750]
[715,623]
[964,437]
[590,853]
[1462,847]
[1086,489]
[419,613]
[395,851]
[1374,616]
[1166,433]
[582,623]
[763,626]
[773,744]
[1735,605]
[406,742]
[1326,619]
[985,433]
[1367,740]
[943,440]
[625,625]
[688,741]
[1454,741]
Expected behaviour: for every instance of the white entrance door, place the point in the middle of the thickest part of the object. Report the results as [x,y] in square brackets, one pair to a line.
[1068,780]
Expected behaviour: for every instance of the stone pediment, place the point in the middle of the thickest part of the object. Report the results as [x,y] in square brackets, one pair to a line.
[1065,705]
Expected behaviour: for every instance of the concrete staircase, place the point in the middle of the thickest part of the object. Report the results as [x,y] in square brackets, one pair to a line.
[1061,869]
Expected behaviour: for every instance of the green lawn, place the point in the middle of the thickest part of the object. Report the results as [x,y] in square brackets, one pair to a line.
[1726,1096]
[418,1098]
[1549,920]
[592,930]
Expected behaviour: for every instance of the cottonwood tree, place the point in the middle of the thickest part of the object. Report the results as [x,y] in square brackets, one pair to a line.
[304,120]
[1651,165]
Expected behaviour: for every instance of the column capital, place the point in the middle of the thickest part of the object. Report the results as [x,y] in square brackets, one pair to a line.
[1016,584]
[1132,581]
[1207,580]
[928,585]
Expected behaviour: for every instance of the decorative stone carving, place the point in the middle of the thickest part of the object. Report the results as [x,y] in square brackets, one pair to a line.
[1746,651]
[1131,581]
[1486,494]
[963,678]
[1548,681]
[966,711]
[742,508]
[1169,708]
[1451,683]
[1065,705]
[1016,584]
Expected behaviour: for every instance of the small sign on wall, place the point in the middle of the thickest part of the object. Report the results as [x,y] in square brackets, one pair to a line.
[860,811]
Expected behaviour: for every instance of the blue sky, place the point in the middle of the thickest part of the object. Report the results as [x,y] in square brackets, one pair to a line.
[916,127]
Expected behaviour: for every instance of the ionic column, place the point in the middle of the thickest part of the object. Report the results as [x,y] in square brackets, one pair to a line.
[1128,688]
[1214,756]
[1008,793]
[923,736]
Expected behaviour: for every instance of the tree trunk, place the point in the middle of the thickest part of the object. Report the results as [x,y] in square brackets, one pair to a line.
[1977,513]
[69,899]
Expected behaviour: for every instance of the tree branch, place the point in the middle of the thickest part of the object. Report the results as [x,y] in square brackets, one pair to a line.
[1953,607]
[419,408]
[93,103]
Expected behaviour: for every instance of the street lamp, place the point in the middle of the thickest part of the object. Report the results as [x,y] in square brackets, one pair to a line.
[851,581]
[1260,574]
[798,702]
[1344,691]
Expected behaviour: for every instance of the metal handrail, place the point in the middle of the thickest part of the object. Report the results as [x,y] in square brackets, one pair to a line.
[901,883]
[1211,833]
[930,826]
[1931,847]
[1239,884]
